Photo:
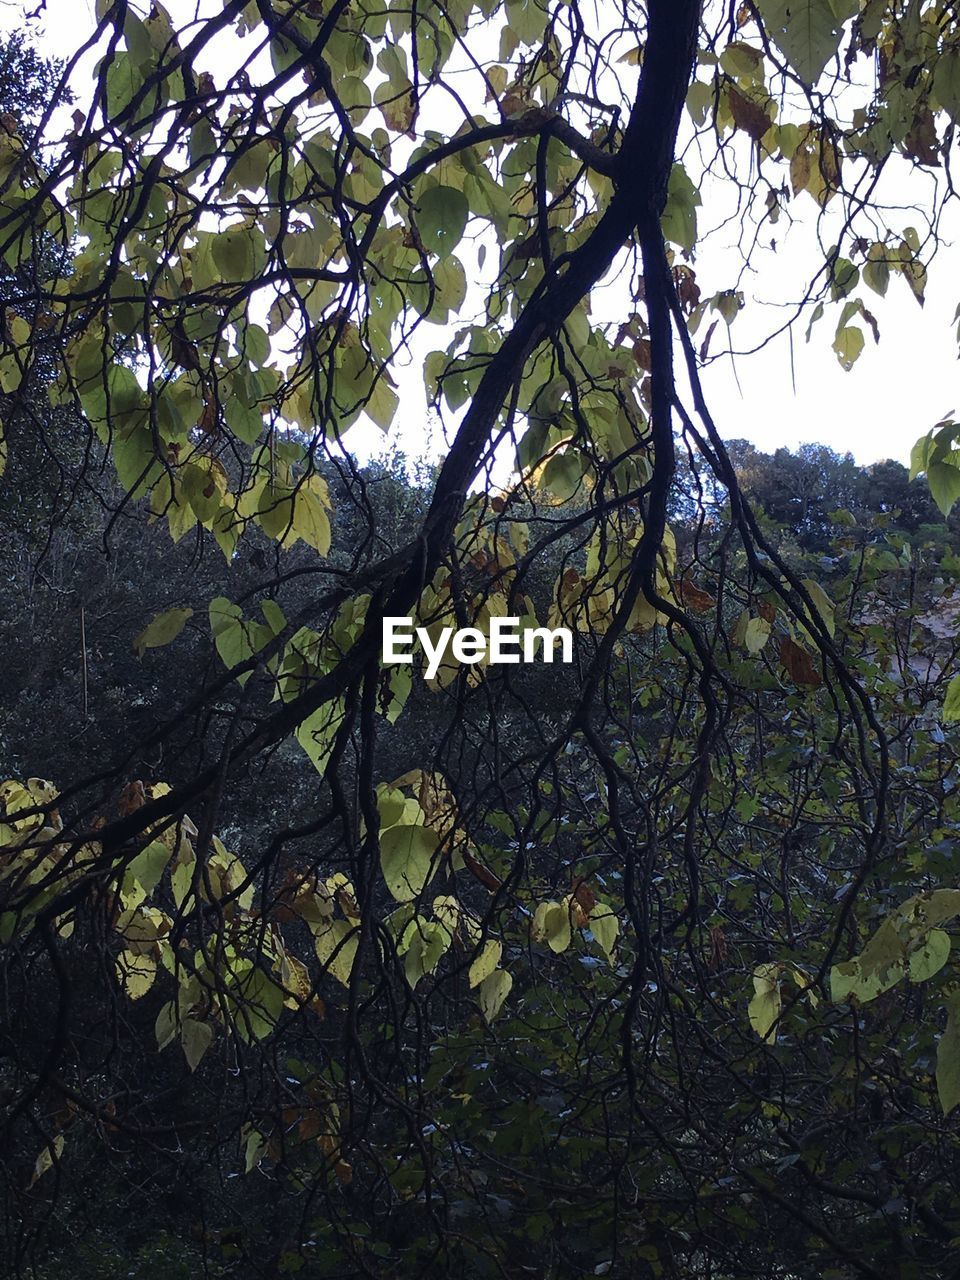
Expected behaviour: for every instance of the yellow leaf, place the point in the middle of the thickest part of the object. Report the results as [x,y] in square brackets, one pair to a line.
[494,989]
[136,973]
[383,403]
[551,924]
[407,859]
[204,485]
[756,635]
[485,963]
[764,1009]
[815,166]
[254,1149]
[296,980]
[142,928]
[310,520]
[165,627]
[143,874]
[45,1160]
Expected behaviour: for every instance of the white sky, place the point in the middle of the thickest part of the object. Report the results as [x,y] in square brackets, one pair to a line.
[896,392]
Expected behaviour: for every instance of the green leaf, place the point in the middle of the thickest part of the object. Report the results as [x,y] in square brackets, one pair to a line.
[494,989]
[391,803]
[764,1008]
[137,37]
[143,874]
[931,957]
[422,945]
[274,615]
[948,1059]
[182,872]
[135,460]
[605,928]
[951,703]
[336,944]
[406,857]
[944,481]
[259,1003]
[679,221]
[700,98]
[563,475]
[234,252]
[822,603]
[235,638]
[551,924]
[848,345]
[124,80]
[933,908]
[740,61]
[442,214]
[878,968]
[316,733]
[807,32]
[196,1038]
[275,513]
[165,627]
[255,1145]
[921,453]
[876,274]
[845,277]
[527,19]
[166,1025]
[946,82]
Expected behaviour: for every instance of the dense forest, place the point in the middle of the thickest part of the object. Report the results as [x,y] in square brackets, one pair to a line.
[313,963]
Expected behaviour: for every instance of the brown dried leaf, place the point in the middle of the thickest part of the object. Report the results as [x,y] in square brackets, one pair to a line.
[922,142]
[748,116]
[798,663]
[131,799]
[695,597]
[584,896]
[767,611]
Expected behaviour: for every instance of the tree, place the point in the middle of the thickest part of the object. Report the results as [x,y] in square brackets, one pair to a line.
[585,989]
